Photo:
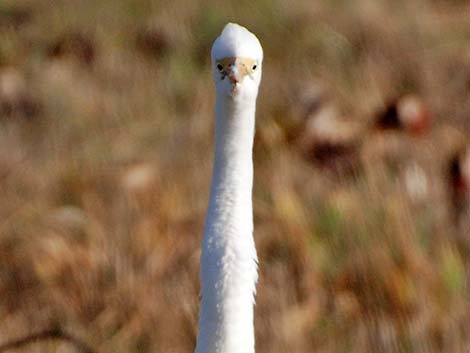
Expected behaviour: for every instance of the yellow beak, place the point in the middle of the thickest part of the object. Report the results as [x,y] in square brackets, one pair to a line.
[236,68]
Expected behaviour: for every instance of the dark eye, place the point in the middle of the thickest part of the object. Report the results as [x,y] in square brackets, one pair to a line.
[254,67]
[220,67]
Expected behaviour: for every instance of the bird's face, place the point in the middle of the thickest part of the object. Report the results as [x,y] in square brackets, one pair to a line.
[237,75]
[237,59]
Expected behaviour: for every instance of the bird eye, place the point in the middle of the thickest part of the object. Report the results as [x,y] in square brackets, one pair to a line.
[254,67]
[220,67]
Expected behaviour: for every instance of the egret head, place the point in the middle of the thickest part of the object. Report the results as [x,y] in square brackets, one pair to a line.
[237,58]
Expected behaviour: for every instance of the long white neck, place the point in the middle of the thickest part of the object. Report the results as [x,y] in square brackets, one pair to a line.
[228,260]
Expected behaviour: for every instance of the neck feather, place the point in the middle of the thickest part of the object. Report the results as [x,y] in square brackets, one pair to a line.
[228,260]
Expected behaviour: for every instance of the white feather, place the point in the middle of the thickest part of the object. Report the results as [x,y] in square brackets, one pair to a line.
[236,41]
[229,261]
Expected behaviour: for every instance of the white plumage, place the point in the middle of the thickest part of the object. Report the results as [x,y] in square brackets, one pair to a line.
[228,261]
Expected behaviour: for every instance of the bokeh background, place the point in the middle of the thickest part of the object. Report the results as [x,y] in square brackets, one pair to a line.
[362,172]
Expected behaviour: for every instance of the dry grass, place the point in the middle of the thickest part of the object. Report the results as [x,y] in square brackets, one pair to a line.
[105,160]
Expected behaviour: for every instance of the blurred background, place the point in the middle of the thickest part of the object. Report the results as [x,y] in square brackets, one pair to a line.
[362,172]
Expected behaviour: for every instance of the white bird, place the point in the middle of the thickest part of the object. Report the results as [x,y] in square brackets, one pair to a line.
[228,260]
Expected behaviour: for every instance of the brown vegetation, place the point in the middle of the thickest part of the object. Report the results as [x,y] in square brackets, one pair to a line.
[105,160]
